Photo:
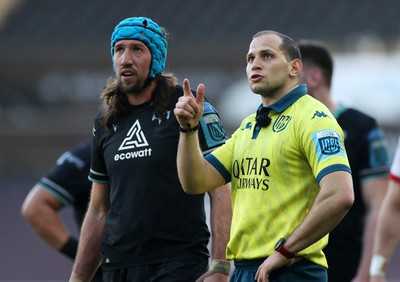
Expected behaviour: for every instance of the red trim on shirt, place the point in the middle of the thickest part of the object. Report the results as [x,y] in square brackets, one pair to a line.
[394,177]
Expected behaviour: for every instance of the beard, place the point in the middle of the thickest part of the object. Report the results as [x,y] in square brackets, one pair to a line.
[132,89]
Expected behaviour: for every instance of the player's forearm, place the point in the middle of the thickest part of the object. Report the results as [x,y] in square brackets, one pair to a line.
[368,239]
[385,241]
[388,225]
[40,209]
[85,270]
[387,236]
[221,217]
[88,257]
[373,192]
[48,225]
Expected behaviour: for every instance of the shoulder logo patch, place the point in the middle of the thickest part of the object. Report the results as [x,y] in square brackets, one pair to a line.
[329,142]
[213,127]
[216,131]
[134,139]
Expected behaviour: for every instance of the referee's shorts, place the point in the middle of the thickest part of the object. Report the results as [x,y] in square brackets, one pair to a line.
[302,271]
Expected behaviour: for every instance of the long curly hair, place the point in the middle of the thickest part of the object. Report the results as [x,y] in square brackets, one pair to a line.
[114,101]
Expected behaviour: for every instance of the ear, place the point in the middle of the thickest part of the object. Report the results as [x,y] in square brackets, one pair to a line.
[296,67]
[315,78]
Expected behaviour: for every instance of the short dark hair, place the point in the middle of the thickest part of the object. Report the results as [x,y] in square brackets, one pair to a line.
[288,46]
[317,54]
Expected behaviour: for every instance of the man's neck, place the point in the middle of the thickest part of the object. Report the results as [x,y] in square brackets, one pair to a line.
[269,100]
[143,96]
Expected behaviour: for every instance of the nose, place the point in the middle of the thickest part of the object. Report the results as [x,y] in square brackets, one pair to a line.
[126,58]
[256,63]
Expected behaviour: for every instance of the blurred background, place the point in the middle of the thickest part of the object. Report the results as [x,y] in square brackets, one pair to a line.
[55,60]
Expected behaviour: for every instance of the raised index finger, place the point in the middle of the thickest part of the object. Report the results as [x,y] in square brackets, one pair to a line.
[187,92]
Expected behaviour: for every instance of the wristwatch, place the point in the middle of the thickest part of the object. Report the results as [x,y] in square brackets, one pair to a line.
[281,249]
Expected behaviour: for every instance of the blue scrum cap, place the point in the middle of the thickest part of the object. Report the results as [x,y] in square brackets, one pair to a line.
[148,32]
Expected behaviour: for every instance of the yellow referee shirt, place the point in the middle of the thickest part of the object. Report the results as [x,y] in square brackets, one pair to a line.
[275,171]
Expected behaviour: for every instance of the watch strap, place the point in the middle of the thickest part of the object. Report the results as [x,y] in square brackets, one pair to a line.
[282,250]
[285,252]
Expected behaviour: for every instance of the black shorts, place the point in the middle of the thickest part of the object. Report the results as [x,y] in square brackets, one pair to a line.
[172,271]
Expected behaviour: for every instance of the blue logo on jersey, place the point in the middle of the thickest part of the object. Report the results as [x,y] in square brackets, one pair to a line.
[319,114]
[281,123]
[328,143]
[216,131]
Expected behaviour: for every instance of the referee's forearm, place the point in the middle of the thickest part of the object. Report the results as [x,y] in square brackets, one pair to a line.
[191,164]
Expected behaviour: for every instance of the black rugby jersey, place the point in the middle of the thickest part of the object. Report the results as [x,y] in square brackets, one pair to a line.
[68,179]
[151,218]
[369,157]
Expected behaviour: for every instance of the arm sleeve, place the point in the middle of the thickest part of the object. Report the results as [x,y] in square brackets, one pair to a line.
[98,172]
[67,180]
[212,133]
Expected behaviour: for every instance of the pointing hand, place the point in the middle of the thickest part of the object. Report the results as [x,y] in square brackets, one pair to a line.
[189,109]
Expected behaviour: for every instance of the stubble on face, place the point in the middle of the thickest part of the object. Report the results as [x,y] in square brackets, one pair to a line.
[132,89]
[268,90]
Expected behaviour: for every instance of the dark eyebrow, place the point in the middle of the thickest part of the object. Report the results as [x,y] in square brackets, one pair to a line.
[267,50]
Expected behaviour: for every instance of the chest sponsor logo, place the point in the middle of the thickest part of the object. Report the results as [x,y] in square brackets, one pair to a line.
[134,139]
[251,173]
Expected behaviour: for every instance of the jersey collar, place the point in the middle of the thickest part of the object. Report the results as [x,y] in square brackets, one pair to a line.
[287,100]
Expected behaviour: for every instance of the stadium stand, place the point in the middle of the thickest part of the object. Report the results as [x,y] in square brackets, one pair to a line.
[56,53]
